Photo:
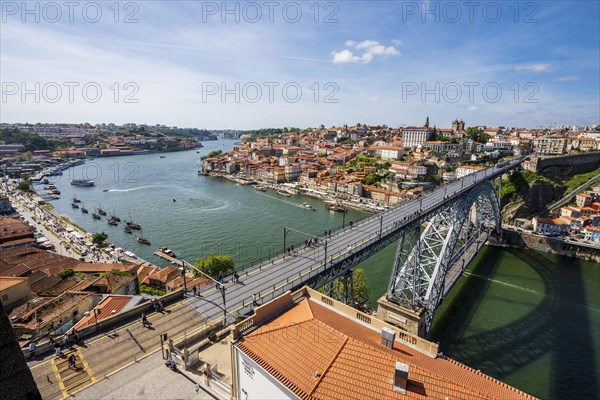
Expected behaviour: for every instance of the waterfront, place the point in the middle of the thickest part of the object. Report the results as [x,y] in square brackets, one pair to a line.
[527,318]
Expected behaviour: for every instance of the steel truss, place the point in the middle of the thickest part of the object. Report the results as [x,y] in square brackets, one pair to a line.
[423,258]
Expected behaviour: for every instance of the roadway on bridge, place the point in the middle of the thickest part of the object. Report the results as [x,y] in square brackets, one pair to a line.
[269,279]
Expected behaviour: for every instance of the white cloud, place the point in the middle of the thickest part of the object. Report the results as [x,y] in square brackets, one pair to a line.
[473,108]
[534,67]
[370,48]
[569,78]
[397,42]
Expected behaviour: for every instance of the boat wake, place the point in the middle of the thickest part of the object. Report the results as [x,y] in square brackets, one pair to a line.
[135,188]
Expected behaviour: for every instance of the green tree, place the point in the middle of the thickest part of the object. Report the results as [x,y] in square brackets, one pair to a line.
[24,186]
[99,238]
[213,264]
[65,273]
[214,153]
[360,285]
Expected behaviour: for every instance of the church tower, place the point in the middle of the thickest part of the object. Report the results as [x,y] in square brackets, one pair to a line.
[427,122]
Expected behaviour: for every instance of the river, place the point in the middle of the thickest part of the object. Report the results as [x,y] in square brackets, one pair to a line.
[528,318]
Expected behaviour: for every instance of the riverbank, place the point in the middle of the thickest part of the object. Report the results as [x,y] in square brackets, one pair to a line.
[68,238]
[527,240]
[354,202]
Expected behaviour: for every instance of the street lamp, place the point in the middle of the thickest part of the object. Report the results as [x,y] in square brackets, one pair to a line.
[184,277]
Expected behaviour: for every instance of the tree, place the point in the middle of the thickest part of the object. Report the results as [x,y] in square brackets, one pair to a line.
[99,238]
[213,264]
[360,285]
[65,273]
[214,153]
[24,186]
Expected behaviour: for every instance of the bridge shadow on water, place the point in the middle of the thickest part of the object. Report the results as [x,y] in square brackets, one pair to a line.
[557,329]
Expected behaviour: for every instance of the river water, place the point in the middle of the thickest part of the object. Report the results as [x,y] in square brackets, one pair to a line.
[528,318]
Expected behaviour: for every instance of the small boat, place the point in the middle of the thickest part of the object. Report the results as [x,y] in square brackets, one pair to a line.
[76,200]
[336,207]
[82,182]
[84,210]
[142,240]
[202,173]
[105,190]
[306,206]
[167,251]
[112,222]
[282,193]
[45,181]
[114,217]
[127,229]
[131,224]
[95,215]
[162,156]
[74,205]
[174,200]
[100,210]
[55,191]
[260,188]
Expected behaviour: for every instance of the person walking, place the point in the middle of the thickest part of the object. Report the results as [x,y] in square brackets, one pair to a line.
[32,350]
[72,361]
[57,350]
[144,320]
[254,299]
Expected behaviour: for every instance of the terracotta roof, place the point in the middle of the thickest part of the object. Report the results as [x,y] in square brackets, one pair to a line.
[89,267]
[8,282]
[330,356]
[106,306]
[35,259]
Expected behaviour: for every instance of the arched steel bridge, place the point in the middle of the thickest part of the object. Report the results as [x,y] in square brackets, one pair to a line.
[438,234]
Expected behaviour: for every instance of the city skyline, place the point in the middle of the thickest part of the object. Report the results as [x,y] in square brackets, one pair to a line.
[326,62]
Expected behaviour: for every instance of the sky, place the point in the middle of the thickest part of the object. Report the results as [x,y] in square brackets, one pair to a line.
[250,65]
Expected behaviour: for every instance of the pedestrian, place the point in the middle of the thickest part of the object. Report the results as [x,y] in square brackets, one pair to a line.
[195,290]
[305,243]
[32,350]
[351,223]
[236,277]
[329,234]
[72,361]
[254,299]
[57,349]
[144,320]
[220,277]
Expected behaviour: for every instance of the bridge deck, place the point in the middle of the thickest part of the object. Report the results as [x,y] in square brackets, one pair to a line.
[271,278]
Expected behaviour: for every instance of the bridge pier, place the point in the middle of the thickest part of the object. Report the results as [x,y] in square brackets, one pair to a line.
[404,318]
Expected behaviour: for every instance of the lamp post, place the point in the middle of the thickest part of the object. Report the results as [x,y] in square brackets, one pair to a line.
[184,277]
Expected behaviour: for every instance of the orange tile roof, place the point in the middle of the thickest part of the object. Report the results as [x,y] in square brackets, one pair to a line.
[106,306]
[330,356]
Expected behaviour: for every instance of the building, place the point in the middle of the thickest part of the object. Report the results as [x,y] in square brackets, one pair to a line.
[550,146]
[583,200]
[466,170]
[14,291]
[413,136]
[550,226]
[14,232]
[592,233]
[304,345]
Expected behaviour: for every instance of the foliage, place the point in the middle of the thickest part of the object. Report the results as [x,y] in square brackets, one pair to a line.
[65,273]
[115,271]
[137,285]
[151,291]
[214,153]
[213,264]
[99,238]
[575,181]
[31,141]
[477,135]
[24,186]
[360,284]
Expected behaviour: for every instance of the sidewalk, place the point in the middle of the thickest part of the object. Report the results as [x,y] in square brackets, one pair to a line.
[148,379]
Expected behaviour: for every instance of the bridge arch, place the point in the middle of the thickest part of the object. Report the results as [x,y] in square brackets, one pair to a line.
[429,260]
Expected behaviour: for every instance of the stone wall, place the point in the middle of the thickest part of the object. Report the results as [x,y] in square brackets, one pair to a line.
[552,245]
[565,165]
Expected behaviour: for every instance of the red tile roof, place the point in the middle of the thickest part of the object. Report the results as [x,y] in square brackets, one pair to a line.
[330,356]
[106,306]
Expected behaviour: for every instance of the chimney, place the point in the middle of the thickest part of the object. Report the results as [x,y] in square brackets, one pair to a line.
[387,337]
[400,377]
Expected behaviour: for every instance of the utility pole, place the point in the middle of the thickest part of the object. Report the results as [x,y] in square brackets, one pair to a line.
[284,241]
[184,278]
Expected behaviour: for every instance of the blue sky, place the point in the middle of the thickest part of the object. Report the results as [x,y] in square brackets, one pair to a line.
[526,64]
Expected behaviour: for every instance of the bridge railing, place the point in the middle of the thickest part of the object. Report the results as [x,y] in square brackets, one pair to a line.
[469,181]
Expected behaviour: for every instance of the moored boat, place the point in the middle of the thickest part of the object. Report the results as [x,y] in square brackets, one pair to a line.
[336,207]
[82,182]
[74,205]
[127,229]
[260,188]
[283,193]
[167,251]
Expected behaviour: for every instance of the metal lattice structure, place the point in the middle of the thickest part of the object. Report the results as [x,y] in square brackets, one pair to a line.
[425,266]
